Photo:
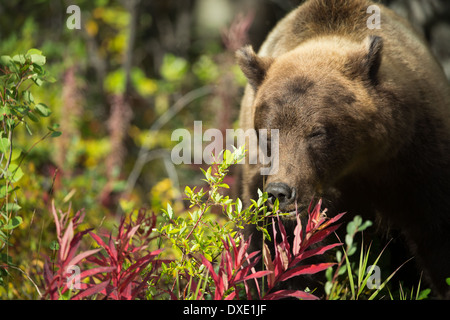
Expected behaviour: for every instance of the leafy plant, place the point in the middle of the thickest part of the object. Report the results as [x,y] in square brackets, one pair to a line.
[58,277]
[214,255]
[288,263]
[118,270]
[350,279]
[17,107]
[197,232]
[235,268]
[414,294]
[128,259]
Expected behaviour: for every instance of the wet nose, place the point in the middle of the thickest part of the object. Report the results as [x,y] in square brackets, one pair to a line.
[282,192]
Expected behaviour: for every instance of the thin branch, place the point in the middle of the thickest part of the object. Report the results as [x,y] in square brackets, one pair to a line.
[161,121]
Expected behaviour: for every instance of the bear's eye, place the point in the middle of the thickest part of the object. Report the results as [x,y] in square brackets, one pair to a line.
[317,133]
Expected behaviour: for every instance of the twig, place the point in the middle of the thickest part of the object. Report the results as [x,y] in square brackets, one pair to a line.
[161,121]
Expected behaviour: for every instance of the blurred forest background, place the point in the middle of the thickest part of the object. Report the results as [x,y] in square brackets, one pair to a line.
[134,72]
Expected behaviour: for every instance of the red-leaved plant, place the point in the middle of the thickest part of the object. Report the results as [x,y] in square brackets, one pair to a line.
[128,259]
[117,273]
[123,266]
[236,266]
[289,263]
[61,275]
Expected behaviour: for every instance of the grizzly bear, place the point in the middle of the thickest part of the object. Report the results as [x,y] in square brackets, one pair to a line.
[363,119]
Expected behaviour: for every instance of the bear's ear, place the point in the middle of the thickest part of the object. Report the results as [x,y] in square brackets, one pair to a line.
[372,61]
[253,66]
[367,63]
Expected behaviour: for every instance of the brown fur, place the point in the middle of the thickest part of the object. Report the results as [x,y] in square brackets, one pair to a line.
[364,121]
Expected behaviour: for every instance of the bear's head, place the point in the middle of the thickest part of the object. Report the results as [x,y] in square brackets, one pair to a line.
[320,96]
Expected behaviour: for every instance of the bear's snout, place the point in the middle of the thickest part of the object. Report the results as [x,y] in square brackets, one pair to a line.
[285,194]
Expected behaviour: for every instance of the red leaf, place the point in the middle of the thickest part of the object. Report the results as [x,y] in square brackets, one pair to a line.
[243,250]
[101,243]
[48,275]
[93,271]
[322,234]
[55,217]
[284,239]
[91,291]
[308,269]
[97,261]
[75,243]
[255,275]
[210,268]
[314,216]
[113,250]
[332,220]
[142,262]
[82,256]
[290,293]
[269,265]
[130,235]
[313,252]
[65,242]
[298,237]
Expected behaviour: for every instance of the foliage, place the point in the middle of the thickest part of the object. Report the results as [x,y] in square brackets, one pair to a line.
[171,81]
[413,294]
[287,264]
[202,244]
[127,258]
[115,269]
[17,107]
[125,267]
[359,280]
[57,273]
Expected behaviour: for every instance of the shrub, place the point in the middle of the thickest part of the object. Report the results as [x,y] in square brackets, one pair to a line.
[207,259]
[17,108]
[213,255]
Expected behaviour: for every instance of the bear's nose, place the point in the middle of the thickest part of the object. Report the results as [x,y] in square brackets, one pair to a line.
[282,192]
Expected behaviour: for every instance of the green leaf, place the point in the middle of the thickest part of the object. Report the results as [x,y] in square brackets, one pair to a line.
[13,223]
[238,205]
[115,82]
[173,68]
[188,191]
[12,207]
[28,96]
[32,116]
[34,51]
[365,225]
[28,129]
[208,174]
[169,211]
[357,220]
[37,81]
[38,59]
[5,60]
[16,173]
[348,240]
[54,245]
[20,58]
[54,127]
[4,145]
[351,228]
[43,110]
[56,134]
